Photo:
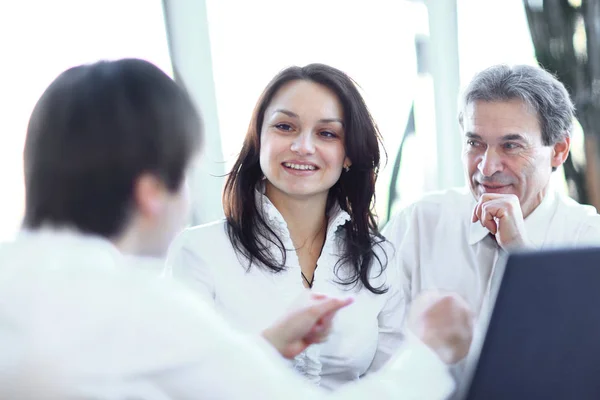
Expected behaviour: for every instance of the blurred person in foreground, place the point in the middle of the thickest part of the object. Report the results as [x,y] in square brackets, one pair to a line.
[106,155]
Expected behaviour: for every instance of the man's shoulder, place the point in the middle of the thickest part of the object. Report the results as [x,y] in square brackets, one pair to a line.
[95,298]
[567,204]
[49,251]
[577,214]
[451,207]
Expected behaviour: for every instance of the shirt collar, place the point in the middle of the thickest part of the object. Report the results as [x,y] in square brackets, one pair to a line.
[536,224]
[70,237]
[336,216]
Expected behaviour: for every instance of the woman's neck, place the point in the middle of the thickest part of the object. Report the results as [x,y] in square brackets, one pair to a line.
[305,218]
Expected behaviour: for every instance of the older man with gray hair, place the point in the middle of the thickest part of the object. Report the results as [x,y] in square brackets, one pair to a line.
[516,128]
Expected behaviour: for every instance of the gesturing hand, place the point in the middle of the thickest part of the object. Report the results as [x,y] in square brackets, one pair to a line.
[444,322]
[308,324]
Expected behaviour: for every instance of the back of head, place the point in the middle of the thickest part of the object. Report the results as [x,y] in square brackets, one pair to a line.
[93,132]
[535,87]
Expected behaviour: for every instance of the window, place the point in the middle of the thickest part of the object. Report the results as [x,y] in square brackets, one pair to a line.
[39,41]
[373,42]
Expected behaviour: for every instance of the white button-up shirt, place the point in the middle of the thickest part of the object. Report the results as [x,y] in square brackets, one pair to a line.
[364,335]
[75,306]
[438,247]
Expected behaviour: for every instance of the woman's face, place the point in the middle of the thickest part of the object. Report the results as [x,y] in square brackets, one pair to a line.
[302,141]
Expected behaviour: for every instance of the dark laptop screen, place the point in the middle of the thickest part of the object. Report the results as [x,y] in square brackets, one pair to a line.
[543,341]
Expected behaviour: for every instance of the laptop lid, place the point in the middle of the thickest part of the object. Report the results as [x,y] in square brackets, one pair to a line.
[543,339]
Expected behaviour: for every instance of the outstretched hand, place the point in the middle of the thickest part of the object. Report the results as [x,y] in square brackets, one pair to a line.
[306,325]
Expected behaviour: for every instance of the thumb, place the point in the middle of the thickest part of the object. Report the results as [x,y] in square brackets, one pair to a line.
[294,348]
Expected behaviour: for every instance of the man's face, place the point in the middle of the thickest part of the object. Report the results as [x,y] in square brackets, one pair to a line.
[503,152]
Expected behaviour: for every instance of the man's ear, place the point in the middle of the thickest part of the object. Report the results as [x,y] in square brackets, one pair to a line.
[149,195]
[560,152]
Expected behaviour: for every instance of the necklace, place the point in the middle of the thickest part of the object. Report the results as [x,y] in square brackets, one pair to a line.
[309,283]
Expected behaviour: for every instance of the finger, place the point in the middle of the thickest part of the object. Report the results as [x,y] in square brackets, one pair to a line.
[320,325]
[500,210]
[323,324]
[322,338]
[487,219]
[492,196]
[319,337]
[318,296]
[477,211]
[295,348]
[329,306]
[509,203]
[489,223]
[486,199]
[326,319]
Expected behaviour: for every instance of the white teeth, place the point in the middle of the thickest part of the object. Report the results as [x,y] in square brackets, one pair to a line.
[302,167]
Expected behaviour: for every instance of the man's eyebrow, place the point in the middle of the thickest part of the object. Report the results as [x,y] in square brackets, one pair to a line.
[472,135]
[513,136]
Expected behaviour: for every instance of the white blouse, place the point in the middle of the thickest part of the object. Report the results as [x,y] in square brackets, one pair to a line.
[364,335]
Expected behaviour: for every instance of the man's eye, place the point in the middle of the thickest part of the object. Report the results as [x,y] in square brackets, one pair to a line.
[511,146]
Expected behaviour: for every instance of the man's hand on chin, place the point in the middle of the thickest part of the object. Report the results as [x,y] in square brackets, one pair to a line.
[501,214]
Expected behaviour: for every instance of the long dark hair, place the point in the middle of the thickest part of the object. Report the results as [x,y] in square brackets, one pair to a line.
[354,191]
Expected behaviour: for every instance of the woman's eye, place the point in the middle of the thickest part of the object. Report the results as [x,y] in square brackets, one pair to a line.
[284,127]
[328,134]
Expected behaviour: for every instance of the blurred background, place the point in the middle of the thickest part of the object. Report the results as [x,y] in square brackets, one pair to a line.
[410,58]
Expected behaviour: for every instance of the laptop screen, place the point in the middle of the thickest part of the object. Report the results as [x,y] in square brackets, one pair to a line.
[543,340]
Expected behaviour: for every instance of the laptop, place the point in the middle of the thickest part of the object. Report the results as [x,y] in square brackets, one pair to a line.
[543,338]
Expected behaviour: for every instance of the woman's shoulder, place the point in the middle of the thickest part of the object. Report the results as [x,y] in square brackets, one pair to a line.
[382,272]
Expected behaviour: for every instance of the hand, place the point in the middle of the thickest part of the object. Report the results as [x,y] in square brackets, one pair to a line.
[501,214]
[309,324]
[444,322]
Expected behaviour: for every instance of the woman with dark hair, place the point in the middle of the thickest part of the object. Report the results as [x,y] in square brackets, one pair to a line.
[298,205]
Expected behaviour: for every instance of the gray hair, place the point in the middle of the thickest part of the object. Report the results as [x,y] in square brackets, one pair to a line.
[536,87]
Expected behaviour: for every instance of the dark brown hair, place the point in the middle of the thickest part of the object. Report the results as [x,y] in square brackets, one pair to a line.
[354,191]
[93,132]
